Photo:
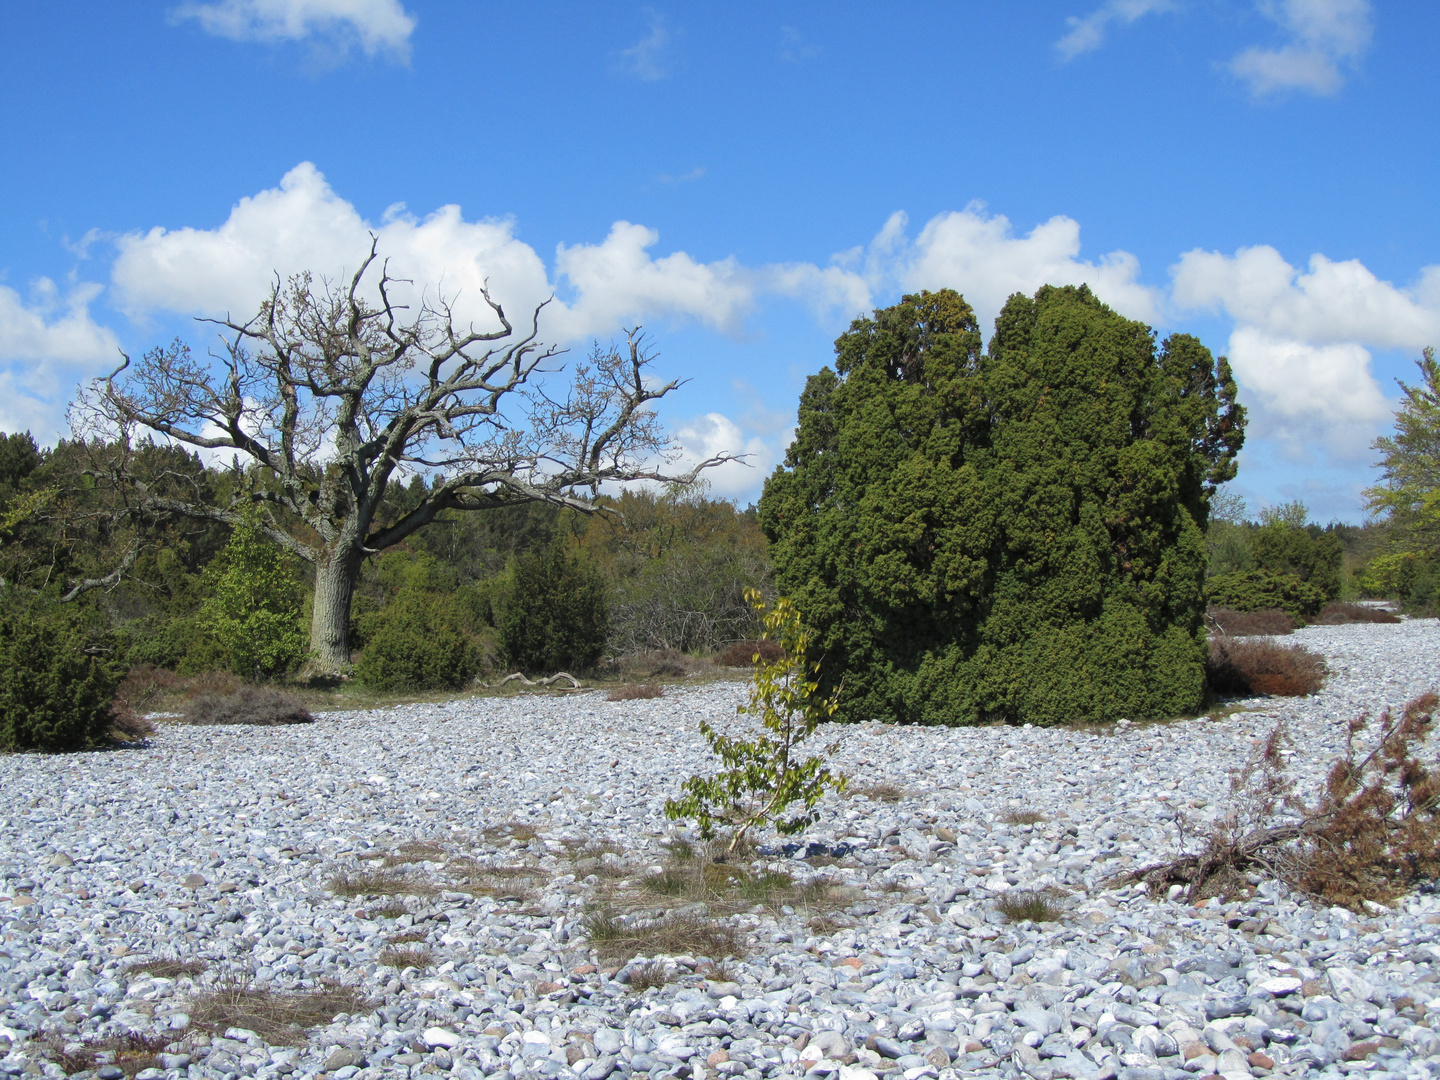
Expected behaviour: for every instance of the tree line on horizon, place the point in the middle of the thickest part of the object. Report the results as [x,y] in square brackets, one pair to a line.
[1031,531]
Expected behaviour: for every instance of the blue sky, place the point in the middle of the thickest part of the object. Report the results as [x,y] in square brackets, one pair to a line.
[744,179]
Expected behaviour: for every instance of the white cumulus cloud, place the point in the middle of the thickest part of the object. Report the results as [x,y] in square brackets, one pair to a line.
[980,256]
[1324,36]
[1331,302]
[304,225]
[46,347]
[1087,32]
[714,433]
[377,26]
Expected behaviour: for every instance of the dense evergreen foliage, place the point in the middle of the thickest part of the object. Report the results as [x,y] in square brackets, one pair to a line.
[56,682]
[1016,534]
[1263,590]
[552,613]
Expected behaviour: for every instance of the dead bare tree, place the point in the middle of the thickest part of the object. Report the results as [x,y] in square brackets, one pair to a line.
[330,397]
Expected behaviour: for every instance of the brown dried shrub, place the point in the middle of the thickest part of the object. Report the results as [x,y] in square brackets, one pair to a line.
[262,706]
[1340,612]
[635,692]
[132,1052]
[1243,667]
[1371,835]
[278,1018]
[400,959]
[167,969]
[1250,623]
[744,653]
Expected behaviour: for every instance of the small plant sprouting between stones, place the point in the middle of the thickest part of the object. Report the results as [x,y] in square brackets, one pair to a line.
[763,776]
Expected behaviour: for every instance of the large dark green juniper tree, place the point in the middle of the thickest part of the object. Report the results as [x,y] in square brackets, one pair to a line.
[1016,534]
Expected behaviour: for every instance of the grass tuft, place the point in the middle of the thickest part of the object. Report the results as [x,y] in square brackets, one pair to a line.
[649,976]
[635,692]
[132,1052]
[616,937]
[889,793]
[277,1017]
[167,969]
[1023,817]
[406,958]
[368,883]
[1032,905]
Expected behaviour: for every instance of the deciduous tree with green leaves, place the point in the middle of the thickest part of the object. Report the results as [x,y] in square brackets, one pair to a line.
[1016,534]
[1408,496]
[764,776]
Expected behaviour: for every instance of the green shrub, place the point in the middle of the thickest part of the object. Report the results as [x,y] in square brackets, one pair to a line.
[1016,535]
[158,641]
[553,615]
[54,694]
[1259,590]
[250,624]
[416,642]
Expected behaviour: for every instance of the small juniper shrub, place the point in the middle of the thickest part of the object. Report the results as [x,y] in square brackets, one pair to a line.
[635,692]
[1340,612]
[1241,667]
[751,653]
[1249,623]
[261,706]
[1372,833]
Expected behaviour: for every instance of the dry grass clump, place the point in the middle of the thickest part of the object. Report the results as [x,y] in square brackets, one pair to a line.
[132,1052]
[1340,612]
[619,937]
[367,883]
[501,882]
[1250,623]
[749,653]
[1032,905]
[649,976]
[406,937]
[511,830]
[166,969]
[279,1018]
[635,692]
[879,792]
[263,706]
[400,959]
[1372,833]
[660,664]
[1023,817]
[700,878]
[1243,667]
[415,851]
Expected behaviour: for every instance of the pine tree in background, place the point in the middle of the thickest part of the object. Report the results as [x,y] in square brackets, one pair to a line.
[553,616]
[1016,535]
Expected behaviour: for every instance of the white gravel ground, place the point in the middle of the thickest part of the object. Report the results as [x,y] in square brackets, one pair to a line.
[220,846]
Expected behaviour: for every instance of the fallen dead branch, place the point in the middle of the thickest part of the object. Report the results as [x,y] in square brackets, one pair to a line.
[1371,835]
[548,681]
